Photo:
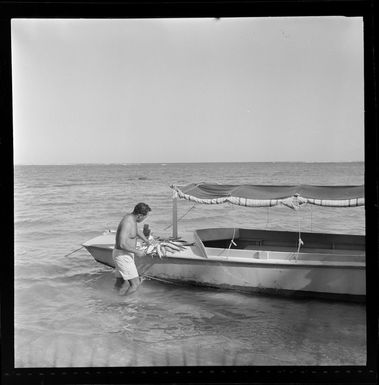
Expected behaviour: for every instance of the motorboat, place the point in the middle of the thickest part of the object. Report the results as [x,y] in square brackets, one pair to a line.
[306,264]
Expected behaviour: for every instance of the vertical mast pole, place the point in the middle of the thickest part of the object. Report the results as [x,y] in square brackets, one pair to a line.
[175,215]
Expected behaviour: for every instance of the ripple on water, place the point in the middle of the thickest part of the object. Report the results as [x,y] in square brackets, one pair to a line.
[203,327]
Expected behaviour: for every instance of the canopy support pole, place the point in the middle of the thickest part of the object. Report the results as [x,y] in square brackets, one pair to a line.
[175,215]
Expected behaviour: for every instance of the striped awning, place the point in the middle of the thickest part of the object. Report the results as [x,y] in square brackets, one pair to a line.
[269,196]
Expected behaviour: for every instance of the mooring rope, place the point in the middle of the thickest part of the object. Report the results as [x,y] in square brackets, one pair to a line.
[72,252]
[267,218]
[170,225]
[149,277]
[300,242]
[311,218]
[232,240]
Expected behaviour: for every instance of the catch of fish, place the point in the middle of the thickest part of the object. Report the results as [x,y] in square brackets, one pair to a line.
[161,248]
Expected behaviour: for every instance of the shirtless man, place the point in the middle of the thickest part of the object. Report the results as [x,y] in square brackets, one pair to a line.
[125,248]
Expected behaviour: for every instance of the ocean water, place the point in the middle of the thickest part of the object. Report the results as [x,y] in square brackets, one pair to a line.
[67,313]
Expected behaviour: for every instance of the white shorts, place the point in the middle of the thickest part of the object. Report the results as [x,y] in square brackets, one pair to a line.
[124,264]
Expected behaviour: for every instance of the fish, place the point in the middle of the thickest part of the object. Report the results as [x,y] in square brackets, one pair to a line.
[169,247]
[150,249]
[159,250]
[170,244]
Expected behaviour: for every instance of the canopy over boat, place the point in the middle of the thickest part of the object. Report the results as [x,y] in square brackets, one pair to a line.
[270,195]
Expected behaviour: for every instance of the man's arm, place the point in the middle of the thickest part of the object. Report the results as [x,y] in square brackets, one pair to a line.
[141,235]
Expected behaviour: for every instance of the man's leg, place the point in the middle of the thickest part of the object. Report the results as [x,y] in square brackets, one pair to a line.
[133,285]
[119,283]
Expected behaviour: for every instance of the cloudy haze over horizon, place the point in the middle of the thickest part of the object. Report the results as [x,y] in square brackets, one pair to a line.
[188,90]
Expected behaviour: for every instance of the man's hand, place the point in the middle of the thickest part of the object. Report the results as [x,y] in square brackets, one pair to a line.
[140,253]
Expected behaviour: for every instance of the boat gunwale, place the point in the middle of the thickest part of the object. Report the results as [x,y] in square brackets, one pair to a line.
[244,261]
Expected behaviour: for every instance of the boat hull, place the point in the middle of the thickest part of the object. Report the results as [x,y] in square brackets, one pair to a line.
[253,271]
[270,278]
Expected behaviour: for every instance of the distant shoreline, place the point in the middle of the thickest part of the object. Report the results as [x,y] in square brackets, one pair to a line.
[186,163]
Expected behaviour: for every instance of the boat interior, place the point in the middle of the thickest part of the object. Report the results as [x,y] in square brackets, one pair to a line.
[281,241]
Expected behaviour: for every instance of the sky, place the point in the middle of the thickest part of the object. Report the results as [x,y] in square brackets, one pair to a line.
[188,90]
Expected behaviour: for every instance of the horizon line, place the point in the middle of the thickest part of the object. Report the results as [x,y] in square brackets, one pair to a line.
[165,163]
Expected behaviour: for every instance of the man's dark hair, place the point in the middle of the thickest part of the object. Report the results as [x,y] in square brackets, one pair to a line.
[141,208]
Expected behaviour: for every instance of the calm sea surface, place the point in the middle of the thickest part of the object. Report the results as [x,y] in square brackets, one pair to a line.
[67,313]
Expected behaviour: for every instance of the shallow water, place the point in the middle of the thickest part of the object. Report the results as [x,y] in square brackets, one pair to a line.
[68,314]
